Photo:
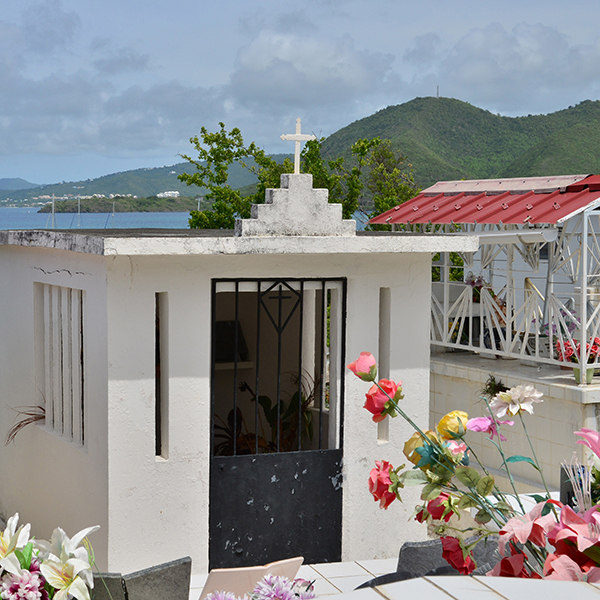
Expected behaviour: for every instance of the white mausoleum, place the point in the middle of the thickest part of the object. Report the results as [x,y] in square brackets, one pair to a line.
[138,343]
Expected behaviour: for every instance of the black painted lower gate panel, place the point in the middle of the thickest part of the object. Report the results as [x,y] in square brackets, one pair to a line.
[268,507]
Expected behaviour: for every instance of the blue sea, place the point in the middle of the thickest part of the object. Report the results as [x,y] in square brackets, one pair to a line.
[29,218]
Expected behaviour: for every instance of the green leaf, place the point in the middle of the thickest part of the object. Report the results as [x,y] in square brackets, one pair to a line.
[483,516]
[413,477]
[485,485]
[504,507]
[430,491]
[467,502]
[519,458]
[467,476]
[25,555]
[538,498]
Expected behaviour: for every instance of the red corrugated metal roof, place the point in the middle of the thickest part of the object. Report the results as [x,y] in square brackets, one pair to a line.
[522,200]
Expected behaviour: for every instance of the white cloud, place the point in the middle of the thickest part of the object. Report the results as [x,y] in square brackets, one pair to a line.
[286,70]
[529,69]
[47,27]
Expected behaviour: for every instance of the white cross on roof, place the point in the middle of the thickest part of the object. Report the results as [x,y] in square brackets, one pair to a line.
[298,137]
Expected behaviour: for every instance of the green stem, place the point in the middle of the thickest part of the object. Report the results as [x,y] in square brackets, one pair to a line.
[498,494]
[506,467]
[537,462]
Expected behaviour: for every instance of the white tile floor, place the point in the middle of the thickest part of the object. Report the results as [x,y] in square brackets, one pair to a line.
[329,578]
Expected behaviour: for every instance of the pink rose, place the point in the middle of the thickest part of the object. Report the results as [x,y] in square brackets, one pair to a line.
[379,483]
[365,366]
[456,447]
[376,398]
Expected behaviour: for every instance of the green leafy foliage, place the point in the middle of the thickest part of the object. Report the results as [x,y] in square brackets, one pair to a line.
[447,139]
[483,516]
[467,476]
[467,501]
[485,485]
[519,458]
[413,477]
[430,491]
[374,179]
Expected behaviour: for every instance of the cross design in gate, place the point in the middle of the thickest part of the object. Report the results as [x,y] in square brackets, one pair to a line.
[298,137]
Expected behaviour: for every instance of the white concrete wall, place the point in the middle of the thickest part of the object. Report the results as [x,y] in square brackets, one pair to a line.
[154,509]
[456,381]
[162,505]
[49,481]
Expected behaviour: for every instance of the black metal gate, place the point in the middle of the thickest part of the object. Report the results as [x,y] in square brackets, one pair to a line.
[277,409]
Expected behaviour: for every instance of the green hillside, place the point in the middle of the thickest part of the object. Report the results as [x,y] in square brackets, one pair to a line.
[138,182]
[443,138]
[15,183]
[120,204]
[448,139]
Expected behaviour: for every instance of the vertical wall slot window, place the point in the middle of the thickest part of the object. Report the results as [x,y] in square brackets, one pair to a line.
[385,326]
[59,352]
[161,396]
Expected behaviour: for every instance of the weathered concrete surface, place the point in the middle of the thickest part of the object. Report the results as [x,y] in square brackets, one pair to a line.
[296,209]
[170,580]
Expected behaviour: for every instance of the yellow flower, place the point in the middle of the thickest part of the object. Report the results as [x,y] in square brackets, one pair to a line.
[448,428]
[416,441]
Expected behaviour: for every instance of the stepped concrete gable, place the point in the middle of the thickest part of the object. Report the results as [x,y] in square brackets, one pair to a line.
[296,209]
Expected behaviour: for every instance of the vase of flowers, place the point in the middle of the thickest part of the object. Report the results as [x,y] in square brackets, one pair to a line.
[569,352]
[551,541]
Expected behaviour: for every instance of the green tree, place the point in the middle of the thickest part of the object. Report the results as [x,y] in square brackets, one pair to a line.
[375,177]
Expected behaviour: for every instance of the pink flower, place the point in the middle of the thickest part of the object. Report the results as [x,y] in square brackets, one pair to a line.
[591,439]
[530,527]
[566,569]
[456,447]
[379,483]
[578,528]
[376,398]
[488,425]
[453,553]
[26,586]
[365,367]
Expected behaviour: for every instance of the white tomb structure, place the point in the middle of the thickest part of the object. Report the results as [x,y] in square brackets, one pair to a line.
[138,343]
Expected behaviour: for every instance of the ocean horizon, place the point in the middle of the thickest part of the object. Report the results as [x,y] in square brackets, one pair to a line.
[28,217]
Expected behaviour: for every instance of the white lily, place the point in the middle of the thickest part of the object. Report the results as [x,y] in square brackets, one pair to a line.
[62,548]
[11,539]
[515,400]
[65,577]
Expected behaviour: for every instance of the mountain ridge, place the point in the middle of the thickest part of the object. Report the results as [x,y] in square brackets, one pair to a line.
[443,138]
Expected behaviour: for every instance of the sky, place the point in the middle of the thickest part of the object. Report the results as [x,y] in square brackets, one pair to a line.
[93,88]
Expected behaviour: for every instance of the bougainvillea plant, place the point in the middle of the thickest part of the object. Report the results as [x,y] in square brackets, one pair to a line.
[552,540]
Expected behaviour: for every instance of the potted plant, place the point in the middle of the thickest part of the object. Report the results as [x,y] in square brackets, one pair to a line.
[568,352]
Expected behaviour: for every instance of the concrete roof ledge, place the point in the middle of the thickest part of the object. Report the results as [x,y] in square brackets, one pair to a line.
[166,242]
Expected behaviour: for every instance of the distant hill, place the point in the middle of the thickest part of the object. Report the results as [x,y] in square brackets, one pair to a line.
[443,138]
[16,183]
[448,139]
[120,204]
[139,182]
